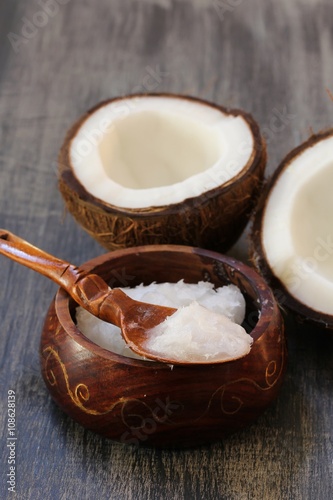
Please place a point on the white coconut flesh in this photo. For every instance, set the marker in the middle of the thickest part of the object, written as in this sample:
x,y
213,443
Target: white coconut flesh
x,y
155,151
297,231
206,326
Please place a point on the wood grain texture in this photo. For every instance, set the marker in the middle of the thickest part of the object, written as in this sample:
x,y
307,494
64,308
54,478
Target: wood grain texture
x,y
272,59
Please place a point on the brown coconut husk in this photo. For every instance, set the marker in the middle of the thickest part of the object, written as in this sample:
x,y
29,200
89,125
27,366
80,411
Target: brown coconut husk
x,y
259,258
212,220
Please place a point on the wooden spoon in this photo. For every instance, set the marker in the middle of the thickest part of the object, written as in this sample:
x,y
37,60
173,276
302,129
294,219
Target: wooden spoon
x,y
92,293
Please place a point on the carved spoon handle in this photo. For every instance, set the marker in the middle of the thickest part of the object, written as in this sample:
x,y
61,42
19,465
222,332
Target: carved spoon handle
x,y
19,250
89,291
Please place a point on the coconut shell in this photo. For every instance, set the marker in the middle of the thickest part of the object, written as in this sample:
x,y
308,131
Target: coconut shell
x,y
259,257
212,220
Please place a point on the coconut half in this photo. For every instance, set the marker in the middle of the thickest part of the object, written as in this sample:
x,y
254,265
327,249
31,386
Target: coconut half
x,y
293,231
161,168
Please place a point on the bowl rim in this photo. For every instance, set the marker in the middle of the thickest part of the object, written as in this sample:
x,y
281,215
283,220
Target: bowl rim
x,y
266,303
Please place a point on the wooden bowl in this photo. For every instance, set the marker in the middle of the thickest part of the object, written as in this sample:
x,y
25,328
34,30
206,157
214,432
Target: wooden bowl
x,y
148,403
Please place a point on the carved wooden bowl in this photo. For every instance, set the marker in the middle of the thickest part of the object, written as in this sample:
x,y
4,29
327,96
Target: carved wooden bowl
x,y
150,403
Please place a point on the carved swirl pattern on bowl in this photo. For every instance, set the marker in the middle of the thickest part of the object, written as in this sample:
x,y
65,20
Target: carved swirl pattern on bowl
x,y
231,401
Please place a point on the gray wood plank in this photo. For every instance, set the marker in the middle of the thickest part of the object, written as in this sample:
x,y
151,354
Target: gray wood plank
x,y
273,59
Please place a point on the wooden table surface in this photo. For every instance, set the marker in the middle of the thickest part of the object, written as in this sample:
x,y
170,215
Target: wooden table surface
x,y
57,59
